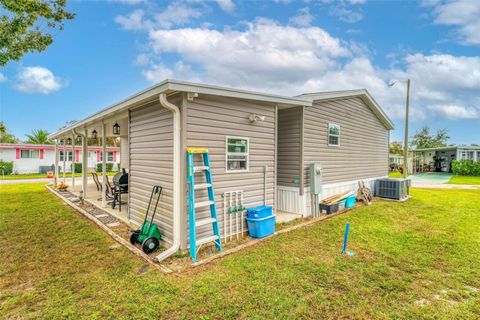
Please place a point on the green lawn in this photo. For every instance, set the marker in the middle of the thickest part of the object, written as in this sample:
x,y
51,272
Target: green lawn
x,y
40,175
417,259
465,180
395,174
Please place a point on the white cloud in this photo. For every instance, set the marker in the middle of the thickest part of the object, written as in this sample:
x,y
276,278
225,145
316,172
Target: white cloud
x,y
142,59
134,21
38,80
345,14
174,15
303,18
226,5
463,14
264,55
159,72
456,112
3,78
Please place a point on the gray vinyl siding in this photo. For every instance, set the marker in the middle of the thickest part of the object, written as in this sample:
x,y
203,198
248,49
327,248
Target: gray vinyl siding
x,y
151,163
363,150
288,151
209,120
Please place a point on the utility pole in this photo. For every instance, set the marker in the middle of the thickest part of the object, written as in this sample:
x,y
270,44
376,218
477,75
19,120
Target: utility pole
x,y
405,146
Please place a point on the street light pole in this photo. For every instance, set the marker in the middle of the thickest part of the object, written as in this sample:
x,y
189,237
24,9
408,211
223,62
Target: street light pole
x,y
405,146
407,110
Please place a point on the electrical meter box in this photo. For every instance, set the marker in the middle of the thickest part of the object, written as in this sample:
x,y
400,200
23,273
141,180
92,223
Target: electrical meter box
x,y
315,178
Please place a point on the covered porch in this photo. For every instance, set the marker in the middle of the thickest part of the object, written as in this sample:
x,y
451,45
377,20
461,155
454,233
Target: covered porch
x,y
98,188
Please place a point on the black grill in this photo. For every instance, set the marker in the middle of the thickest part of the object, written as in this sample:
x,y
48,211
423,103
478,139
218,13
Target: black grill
x,y
121,179
120,186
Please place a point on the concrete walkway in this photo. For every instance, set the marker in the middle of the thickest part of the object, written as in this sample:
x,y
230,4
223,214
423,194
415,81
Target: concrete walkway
x,y
430,178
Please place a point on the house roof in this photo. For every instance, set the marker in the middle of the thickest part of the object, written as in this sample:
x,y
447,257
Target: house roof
x,y
360,93
171,86
448,148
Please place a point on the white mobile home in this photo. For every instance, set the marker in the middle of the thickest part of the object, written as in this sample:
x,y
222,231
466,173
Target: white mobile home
x,y
39,158
280,136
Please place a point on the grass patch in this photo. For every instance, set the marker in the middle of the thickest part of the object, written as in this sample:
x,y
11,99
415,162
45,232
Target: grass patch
x,y
417,259
465,180
395,174
42,175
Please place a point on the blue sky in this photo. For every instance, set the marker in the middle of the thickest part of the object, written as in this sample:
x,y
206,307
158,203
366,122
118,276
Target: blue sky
x,y
113,49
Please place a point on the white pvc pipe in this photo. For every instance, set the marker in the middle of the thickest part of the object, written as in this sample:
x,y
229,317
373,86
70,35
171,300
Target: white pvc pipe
x,y
177,198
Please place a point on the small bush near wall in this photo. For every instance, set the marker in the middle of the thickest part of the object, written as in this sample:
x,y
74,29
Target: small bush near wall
x,y
78,168
108,166
6,167
466,168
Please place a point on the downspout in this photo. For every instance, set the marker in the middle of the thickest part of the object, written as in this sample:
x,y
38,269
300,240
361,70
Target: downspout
x,y
176,177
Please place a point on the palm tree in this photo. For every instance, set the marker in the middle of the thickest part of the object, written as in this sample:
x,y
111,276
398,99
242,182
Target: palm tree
x,y
5,136
38,136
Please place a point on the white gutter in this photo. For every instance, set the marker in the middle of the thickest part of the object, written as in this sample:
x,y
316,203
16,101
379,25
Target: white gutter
x,y
176,177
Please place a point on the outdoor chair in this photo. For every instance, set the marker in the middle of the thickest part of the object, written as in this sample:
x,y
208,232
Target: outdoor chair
x,y
97,182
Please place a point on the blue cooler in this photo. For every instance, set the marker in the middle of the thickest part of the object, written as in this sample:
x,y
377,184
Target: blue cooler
x,y
261,221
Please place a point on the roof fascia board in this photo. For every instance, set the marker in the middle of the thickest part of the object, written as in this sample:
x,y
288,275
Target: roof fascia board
x,y
235,93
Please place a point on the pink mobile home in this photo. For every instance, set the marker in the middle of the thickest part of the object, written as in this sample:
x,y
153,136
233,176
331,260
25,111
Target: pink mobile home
x,y
35,158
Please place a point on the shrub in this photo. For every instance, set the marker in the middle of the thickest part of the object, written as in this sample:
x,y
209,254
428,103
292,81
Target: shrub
x,y
109,167
6,167
78,167
466,168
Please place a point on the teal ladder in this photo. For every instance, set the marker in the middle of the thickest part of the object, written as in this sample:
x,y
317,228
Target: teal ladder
x,y
192,205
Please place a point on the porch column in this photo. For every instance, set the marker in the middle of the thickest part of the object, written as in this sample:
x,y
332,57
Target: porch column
x,y
84,163
64,161
55,174
104,164
73,161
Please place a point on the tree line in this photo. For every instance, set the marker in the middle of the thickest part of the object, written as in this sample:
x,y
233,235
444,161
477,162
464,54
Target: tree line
x,y
423,138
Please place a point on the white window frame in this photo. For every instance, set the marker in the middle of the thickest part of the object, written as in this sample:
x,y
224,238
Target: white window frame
x,y
331,124
109,153
465,155
69,156
30,151
247,154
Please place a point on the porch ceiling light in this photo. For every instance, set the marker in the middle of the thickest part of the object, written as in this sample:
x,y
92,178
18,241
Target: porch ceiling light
x,y
61,141
116,129
94,136
78,140
69,141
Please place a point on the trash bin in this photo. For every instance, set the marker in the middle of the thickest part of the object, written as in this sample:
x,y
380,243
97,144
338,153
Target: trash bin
x,y
261,227
259,212
350,201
